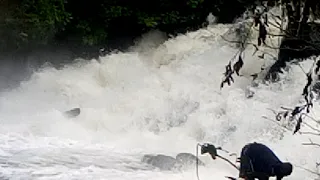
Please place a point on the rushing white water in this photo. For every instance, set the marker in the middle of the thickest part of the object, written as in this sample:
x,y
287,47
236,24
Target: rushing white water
x,y
153,99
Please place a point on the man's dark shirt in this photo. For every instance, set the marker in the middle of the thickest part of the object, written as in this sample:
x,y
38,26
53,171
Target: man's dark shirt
x,y
257,160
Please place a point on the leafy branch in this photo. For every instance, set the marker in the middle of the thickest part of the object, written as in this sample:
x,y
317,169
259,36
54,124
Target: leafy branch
x,y
230,71
243,42
300,112
260,20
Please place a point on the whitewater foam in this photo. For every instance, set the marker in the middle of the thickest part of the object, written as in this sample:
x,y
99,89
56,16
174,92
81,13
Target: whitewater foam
x,y
162,99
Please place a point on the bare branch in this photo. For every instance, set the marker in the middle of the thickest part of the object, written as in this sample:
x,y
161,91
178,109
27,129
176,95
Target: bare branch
x,y
310,171
285,128
317,130
270,47
311,144
310,133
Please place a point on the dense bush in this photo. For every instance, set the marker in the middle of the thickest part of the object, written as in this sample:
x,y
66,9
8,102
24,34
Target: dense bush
x,y
93,22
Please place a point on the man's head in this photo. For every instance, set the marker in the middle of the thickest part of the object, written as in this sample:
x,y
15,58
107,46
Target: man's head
x,y
283,169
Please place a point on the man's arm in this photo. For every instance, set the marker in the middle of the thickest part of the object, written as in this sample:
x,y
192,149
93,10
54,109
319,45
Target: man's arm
x,y
245,167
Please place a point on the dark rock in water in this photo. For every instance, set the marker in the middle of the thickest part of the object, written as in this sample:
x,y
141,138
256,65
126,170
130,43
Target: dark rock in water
x,y
160,161
163,162
72,113
188,159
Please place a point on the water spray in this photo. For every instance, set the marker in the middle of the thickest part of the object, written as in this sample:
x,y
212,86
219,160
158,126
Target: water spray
x,y
212,150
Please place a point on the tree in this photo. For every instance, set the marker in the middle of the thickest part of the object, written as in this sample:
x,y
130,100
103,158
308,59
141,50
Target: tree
x,y
300,39
28,22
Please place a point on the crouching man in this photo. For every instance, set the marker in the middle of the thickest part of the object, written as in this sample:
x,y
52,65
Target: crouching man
x,y
258,161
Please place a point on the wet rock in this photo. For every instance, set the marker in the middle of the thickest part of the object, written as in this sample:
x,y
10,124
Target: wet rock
x,y
187,159
72,113
160,161
164,162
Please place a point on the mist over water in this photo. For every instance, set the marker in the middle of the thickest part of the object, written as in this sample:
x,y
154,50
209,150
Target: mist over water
x,y
161,96
19,64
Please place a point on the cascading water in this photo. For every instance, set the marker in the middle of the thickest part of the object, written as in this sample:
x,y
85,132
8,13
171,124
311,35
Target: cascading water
x,y
156,98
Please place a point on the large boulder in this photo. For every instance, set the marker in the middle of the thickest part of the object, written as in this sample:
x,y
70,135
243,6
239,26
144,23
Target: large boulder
x,y
188,159
160,161
72,113
164,162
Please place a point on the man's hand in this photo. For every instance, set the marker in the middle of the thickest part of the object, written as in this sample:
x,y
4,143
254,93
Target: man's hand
x,y
209,148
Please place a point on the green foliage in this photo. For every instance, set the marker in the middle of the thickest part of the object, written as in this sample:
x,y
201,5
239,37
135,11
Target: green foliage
x,y
171,18
116,11
92,36
147,20
94,21
47,12
43,17
194,3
